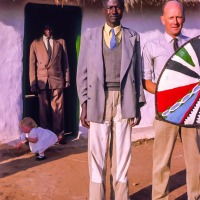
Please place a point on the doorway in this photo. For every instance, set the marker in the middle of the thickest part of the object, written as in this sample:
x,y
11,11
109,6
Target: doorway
x,y
66,21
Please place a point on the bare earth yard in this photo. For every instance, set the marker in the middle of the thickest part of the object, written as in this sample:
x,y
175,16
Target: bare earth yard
x,y
64,174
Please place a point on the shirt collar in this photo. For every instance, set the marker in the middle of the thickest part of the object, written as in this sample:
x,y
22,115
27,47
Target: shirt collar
x,y
45,38
169,38
107,29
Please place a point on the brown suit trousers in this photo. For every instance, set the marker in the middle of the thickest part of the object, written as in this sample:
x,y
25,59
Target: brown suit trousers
x,y
51,110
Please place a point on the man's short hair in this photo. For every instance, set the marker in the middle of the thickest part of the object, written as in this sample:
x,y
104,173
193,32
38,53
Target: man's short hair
x,y
104,2
47,26
178,1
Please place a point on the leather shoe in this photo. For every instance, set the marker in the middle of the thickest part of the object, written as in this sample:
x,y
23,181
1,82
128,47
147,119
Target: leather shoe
x,y
39,158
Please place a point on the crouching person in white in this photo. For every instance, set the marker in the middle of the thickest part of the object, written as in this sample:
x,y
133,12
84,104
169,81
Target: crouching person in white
x,y
39,139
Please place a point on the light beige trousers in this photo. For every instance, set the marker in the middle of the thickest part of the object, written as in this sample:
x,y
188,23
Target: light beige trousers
x,y
113,135
165,138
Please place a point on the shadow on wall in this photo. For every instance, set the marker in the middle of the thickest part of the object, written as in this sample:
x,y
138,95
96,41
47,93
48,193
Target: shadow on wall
x,y
12,14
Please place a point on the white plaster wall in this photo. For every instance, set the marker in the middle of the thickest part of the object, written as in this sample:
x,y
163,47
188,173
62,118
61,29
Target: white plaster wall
x,y
11,41
144,21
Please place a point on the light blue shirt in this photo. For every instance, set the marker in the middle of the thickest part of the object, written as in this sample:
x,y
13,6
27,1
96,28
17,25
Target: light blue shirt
x,y
156,53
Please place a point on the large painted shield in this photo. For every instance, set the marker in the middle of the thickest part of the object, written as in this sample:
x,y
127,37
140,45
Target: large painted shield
x,y
178,89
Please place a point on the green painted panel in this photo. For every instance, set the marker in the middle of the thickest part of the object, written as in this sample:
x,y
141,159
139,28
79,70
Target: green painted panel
x,y
183,53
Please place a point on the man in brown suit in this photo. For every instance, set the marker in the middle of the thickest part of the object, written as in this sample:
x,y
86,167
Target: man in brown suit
x,y
49,74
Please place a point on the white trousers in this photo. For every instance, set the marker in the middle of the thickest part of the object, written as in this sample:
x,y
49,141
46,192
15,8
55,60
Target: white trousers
x,y
114,135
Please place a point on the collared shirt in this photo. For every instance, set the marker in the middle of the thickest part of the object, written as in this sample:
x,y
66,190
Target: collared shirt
x,y
107,34
156,53
50,41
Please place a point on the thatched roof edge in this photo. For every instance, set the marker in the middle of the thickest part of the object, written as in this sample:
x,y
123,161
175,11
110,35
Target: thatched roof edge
x,y
128,3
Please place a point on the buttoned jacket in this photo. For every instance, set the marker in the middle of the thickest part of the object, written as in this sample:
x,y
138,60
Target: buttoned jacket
x,y
90,74
55,70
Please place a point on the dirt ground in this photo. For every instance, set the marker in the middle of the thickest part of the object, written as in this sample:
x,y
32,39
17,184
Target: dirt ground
x,y
64,174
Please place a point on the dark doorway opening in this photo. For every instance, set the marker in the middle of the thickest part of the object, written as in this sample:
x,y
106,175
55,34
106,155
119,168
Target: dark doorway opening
x,y
66,21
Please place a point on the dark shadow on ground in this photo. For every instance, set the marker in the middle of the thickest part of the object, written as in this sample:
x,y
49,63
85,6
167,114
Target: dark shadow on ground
x,y
177,180
144,194
182,197
19,163
8,150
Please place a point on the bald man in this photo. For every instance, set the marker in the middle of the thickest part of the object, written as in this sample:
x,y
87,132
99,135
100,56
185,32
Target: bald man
x,y
155,55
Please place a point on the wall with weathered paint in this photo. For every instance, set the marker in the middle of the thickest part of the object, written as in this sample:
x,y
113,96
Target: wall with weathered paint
x,y
11,42
144,21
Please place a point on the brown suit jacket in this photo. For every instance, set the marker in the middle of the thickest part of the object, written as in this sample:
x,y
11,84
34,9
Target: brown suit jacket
x,y
56,71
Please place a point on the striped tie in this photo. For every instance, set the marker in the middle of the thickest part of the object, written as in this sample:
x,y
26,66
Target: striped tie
x,y
49,51
175,45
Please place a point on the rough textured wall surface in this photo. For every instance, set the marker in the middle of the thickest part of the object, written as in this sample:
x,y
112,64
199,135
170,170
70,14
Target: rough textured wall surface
x,y
11,42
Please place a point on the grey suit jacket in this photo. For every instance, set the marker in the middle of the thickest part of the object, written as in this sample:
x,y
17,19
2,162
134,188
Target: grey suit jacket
x,y
90,74
56,72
